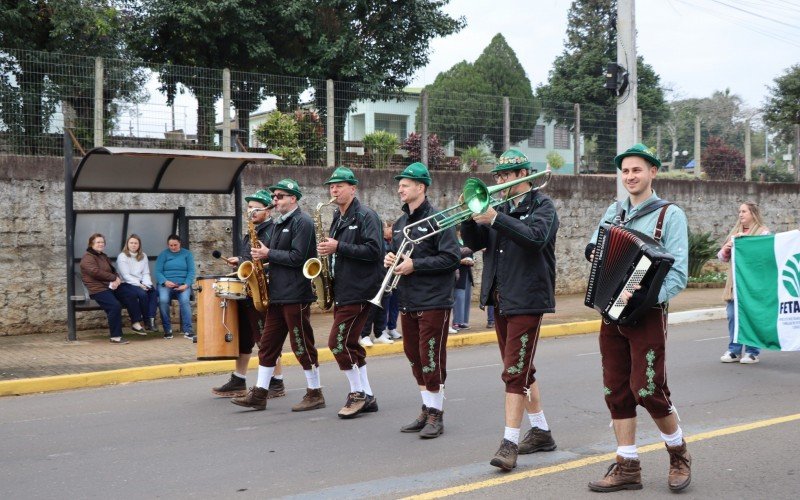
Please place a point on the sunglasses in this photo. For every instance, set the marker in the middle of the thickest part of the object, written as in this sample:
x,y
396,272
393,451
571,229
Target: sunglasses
x,y
279,196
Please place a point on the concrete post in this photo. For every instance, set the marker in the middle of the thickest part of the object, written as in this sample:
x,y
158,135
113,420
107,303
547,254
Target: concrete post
x,y
506,124
98,102
330,144
226,110
797,152
658,141
423,140
698,167
577,139
626,108
748,154
639,135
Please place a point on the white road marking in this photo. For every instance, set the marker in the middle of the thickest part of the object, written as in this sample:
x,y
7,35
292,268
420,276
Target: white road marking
x,y
587,354
472,367
712,338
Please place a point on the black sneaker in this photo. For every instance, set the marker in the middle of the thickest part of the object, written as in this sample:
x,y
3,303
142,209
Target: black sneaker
x,y
168,334
233,388
276,388
188,335
371,405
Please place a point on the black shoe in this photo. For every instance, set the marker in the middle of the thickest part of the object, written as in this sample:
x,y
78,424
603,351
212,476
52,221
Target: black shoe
x,y
150,325
417,424
139,331
233,388
536,440
434,425
506,456
168,334
371,405
276,388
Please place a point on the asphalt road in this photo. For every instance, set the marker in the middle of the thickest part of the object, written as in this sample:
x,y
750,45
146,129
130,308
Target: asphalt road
x,y
172,439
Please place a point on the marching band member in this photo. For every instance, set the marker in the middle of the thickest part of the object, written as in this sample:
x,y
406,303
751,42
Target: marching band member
x,y
355,250
633,356
518,281
291,244
425,297
251,320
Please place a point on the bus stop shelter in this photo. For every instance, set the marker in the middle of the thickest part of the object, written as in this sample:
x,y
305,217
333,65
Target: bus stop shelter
x,y
140,170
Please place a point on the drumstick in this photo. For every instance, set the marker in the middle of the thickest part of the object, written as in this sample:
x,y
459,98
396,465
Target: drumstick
x,y
218,255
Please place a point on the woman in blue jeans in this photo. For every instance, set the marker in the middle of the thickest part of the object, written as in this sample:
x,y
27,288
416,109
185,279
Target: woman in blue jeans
x,y
134,269
175,276
748,223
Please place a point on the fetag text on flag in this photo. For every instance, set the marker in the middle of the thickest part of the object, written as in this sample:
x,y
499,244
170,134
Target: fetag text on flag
x,y
766,290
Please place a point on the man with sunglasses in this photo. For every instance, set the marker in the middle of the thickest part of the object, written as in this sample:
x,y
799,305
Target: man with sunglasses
x,y
518,281
425,293
292,243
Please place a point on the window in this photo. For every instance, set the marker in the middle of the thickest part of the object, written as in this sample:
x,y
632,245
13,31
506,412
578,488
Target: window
x,y
537,137
395,124
561,138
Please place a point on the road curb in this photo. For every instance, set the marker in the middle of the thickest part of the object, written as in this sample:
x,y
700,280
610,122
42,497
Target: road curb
x,y
126,375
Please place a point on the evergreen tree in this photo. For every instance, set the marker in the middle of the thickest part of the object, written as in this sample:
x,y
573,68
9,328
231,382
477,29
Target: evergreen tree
x,y
577,77
782,107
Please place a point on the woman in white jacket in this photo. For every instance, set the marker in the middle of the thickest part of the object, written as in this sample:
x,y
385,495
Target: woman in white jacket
x,y
134,269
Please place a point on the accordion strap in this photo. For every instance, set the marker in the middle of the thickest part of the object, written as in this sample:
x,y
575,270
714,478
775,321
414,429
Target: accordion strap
x,y
620,219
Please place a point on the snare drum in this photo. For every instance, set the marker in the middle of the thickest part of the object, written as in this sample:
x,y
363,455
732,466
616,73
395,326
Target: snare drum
x,y
230,288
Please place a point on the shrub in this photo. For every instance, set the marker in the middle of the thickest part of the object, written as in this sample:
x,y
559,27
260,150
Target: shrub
x,y
701,249
474,157
413,146
555,160
311,135
381,146
722,161
279,130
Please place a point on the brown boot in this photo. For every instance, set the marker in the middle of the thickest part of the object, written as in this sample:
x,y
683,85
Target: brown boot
x,y
255,398
311,401
417,424
624,474
536,440
276,388
506,456
353,406
434,425
680,467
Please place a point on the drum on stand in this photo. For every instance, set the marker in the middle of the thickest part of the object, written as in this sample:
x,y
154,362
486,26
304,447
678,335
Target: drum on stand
x,y
217,323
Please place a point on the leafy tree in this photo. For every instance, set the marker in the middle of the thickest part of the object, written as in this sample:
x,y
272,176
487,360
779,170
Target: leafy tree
x,y
577,77
37,76
478,90
722,161
280,135
413,146
782,108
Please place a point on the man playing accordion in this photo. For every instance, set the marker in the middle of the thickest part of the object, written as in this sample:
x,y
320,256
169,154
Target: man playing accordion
x,y
633,355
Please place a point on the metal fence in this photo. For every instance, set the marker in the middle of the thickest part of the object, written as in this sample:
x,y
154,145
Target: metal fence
x,y
110,102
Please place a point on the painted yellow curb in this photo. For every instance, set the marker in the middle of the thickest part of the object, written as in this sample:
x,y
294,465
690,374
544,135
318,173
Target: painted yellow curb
x,y
125,375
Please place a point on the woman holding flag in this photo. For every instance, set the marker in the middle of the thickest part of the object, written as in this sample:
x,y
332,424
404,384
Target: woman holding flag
x,y
748,223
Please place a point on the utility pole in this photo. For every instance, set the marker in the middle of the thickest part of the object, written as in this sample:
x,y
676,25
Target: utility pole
x,y
748,154
698,167
627,126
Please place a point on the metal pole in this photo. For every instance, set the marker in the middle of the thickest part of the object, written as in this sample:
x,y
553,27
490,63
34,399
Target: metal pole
x,y
626,108
698,166
330,144
237,216
748,154
577,141
506,124
423,140
69,216
226,110
98,102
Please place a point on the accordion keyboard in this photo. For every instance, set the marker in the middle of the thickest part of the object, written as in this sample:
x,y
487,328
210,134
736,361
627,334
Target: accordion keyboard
x,y
630,286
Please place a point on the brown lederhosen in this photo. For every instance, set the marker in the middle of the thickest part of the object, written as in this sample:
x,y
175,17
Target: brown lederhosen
x,y
250,324
517,337
634,369
424,342
348,321
294,320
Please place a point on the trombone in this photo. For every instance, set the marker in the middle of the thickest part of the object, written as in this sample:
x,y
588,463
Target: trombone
x,y
477,198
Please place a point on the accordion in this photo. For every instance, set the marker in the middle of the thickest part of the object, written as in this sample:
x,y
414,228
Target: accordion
x,y
623,259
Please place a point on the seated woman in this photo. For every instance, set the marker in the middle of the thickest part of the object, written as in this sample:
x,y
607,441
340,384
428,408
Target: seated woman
x,y
102,282
175,276
134,270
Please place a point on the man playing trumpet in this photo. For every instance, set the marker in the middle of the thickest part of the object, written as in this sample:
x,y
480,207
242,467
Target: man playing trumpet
x,y
425,296
355,250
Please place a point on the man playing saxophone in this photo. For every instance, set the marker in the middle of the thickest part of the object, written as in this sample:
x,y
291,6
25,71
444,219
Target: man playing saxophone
x,y
354,250
290,296
258,211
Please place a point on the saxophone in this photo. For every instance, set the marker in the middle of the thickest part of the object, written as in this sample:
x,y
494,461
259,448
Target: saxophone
x,y
252,273
318,269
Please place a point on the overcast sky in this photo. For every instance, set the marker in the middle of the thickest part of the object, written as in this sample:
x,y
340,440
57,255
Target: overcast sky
x,y
696,46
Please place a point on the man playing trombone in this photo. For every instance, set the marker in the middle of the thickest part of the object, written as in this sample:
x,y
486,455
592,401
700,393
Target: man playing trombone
x,y
518,280
426,270
355,250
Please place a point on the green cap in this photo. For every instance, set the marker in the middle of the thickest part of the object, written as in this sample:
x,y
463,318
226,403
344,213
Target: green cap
x,y
512,160
262,196
289,185
342,174
641,151
417,172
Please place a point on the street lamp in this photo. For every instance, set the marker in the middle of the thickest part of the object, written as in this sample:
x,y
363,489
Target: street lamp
x,y
675,155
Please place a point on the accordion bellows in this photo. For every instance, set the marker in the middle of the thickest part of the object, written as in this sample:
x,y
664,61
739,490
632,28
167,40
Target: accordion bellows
x,y
623,260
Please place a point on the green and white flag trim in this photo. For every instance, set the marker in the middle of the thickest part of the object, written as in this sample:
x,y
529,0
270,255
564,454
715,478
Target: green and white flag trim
x,y
766,290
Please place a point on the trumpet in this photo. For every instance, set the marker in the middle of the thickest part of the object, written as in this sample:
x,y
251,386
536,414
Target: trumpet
x,y
390,281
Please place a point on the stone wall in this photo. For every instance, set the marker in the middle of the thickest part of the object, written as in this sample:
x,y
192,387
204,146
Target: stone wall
x,y
32,229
